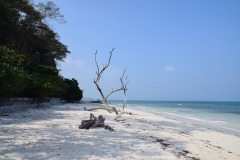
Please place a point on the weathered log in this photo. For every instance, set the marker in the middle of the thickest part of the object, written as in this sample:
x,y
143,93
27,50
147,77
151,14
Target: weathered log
x,y
106,127
92,117
94,122
99,121
109,109
87,124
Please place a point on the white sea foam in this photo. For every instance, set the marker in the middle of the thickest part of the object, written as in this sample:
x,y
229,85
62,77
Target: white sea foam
x,y
219,122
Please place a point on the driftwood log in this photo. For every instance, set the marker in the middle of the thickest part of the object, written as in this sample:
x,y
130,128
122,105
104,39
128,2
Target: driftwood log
x,y
109,109
95,122
123,112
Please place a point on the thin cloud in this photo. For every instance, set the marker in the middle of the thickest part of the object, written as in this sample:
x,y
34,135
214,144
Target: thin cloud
x,y
79,63
113,72
169,69
69,61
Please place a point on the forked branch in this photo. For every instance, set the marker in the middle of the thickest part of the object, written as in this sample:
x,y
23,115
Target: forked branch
x,y
99,74
124,86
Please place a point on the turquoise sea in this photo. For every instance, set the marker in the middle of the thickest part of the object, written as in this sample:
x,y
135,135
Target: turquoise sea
x,y
221,116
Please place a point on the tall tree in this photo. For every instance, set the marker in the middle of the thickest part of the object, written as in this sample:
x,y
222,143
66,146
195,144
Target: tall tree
x,y
50,11
12,74
25,33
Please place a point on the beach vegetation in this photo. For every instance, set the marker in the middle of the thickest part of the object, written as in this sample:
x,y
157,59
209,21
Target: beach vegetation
x,y
29,49
73,92
12,73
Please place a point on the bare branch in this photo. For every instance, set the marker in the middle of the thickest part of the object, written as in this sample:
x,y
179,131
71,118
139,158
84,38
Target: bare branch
x,y
123,73
97,72
104,67
51,11
100,72
107,65
113,92
126,83
122,88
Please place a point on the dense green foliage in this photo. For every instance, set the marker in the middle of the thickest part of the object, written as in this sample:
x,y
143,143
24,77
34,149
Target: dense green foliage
x,y
73,91
29,49
12,73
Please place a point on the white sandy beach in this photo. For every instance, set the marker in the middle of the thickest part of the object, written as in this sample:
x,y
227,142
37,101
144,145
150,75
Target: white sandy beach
x,y
52,132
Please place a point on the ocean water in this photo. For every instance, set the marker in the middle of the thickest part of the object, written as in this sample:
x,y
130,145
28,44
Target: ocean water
x,y
220,116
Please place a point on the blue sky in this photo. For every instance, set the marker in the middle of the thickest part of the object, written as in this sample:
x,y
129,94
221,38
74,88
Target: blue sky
x,y
172,50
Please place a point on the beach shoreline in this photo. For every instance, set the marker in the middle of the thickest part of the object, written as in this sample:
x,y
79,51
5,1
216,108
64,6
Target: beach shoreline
x,y
51,132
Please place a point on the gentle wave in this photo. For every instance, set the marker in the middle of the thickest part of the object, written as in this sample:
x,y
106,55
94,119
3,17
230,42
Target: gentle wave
x,y
213,115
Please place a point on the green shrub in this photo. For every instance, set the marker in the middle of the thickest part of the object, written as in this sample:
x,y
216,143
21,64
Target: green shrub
x,y
74,93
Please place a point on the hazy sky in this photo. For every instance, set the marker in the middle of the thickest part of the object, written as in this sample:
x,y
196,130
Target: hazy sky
x,y
173,50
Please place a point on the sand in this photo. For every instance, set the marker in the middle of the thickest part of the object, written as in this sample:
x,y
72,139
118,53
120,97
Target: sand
x,y
52,132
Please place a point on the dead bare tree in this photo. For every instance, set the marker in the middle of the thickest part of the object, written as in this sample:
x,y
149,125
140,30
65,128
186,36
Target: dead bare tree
x,y
99,75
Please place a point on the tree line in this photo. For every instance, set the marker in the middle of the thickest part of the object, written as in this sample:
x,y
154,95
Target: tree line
x,y
29,49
